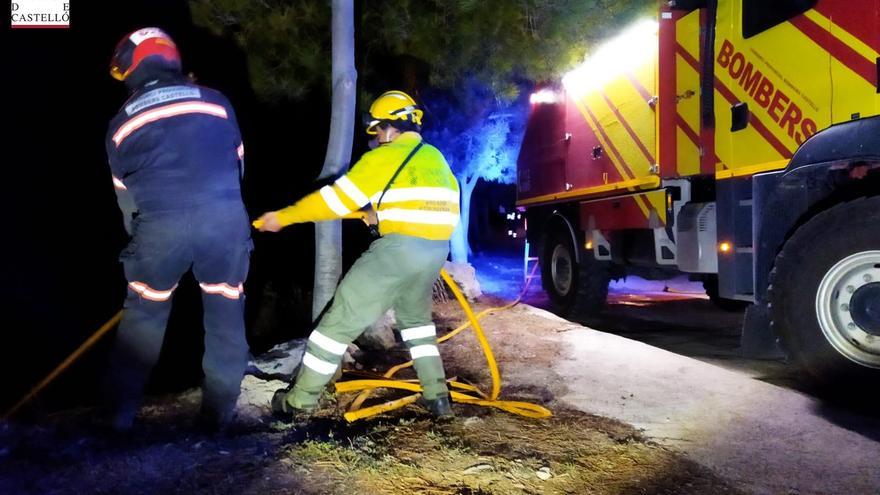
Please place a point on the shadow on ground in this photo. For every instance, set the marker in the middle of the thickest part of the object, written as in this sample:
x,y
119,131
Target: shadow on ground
x,y
480,452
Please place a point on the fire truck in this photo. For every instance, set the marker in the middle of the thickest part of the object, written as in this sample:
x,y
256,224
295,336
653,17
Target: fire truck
x,y
737,141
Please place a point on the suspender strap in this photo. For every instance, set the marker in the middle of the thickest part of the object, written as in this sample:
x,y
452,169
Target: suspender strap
x,y
399,169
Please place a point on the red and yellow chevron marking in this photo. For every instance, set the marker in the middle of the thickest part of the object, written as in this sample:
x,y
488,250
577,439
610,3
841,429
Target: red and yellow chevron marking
x,y
628,152
687,96
620,115
798,78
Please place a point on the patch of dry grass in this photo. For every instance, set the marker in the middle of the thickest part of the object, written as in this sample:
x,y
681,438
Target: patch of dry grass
x,y
497,453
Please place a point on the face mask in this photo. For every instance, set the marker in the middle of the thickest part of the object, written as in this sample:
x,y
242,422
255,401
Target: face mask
x,y
384,136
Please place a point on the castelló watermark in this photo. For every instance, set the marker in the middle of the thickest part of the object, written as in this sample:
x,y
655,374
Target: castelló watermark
x,y
40,14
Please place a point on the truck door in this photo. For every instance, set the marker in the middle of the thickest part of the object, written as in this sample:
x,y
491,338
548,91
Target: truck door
x,y
679,122
850,32
773,83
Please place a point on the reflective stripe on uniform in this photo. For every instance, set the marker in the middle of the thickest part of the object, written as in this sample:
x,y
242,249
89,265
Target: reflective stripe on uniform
x,y
353,192
328,344
319,365
418,332
333,201
421,351
431,232
150,293
161,95
419,216
224,290
418,194
118,184
164,112
240,151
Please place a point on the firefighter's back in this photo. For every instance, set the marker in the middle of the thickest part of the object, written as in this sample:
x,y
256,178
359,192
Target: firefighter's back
x,y
176,146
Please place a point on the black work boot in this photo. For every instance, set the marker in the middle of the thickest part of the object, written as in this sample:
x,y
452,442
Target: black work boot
x,y
282,410
119,418
439,407
214,419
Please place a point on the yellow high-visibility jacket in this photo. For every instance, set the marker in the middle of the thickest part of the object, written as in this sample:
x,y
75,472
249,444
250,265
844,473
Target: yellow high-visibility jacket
x,y
422,202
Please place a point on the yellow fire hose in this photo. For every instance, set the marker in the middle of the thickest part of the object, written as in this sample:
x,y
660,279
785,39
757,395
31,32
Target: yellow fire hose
x,y
526,409
106,327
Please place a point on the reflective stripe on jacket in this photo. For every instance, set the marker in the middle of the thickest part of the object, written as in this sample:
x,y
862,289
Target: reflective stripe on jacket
x,y
422,202
174,145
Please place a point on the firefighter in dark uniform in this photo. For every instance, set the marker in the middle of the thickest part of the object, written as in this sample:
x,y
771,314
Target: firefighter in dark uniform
x,y
176,157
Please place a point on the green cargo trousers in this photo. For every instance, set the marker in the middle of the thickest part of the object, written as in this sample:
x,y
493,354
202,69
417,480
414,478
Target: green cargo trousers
x,y
397,271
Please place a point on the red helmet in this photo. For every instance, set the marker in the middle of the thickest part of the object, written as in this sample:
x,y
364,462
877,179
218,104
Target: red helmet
x,y
141,45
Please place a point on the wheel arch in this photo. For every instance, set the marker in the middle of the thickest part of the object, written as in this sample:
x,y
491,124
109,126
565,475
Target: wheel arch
x,y
543,221
558,221
836,165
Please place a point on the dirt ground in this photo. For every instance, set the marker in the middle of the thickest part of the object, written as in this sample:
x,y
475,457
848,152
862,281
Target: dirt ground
x,y
481,451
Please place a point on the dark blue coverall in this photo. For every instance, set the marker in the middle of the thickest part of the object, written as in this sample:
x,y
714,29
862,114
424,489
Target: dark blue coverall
x,y
176,156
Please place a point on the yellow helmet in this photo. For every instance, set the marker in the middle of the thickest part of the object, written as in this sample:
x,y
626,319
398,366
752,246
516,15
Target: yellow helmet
x,y
393,106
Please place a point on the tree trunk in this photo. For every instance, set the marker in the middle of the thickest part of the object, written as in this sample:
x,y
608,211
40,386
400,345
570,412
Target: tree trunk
x,y
459,248
328,235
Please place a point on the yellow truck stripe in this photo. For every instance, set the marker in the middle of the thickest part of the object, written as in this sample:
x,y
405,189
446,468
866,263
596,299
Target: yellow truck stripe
x,y
843,35
650,182
617,160
751,169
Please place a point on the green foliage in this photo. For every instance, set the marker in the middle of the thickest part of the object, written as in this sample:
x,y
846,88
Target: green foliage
x,y
495,43
287,41
492,43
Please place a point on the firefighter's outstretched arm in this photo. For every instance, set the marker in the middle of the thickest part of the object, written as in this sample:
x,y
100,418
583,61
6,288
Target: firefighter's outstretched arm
x,y
345,198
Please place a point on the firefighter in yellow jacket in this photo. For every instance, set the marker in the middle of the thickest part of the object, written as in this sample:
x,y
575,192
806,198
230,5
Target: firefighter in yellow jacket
x,y
416,201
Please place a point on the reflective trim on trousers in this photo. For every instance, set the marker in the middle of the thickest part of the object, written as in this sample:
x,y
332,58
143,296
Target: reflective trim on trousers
x,y
319,365
150,293
421,351
224,290
418,332
328,344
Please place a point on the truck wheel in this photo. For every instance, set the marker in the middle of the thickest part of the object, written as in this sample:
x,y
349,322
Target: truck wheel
x,y
710,284
574,289
825,295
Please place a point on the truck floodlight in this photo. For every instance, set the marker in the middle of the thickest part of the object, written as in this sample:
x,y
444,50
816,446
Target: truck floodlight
x,y
544,96
625,53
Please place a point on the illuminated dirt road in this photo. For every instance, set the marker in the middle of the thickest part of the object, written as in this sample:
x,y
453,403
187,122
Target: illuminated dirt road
x,y
674,315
